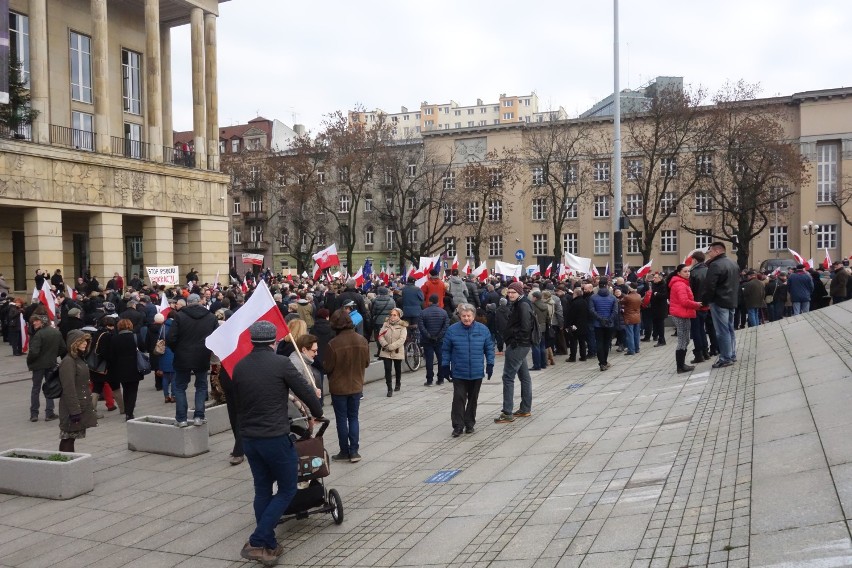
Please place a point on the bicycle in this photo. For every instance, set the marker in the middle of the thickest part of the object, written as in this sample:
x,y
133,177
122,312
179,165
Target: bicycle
x,y
413,349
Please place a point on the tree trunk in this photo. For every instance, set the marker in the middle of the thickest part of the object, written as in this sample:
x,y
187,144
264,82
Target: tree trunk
x,y
742,255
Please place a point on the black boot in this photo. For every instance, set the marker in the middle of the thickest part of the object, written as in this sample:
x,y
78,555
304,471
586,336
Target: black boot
x,y
680,357
706,354
398,385
390,388
699,356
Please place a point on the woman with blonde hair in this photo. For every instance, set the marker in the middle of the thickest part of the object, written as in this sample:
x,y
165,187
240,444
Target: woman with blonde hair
x,y
298,328
392,340
76,412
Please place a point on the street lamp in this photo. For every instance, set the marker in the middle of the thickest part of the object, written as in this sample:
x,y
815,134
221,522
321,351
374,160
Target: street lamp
x,y
810,230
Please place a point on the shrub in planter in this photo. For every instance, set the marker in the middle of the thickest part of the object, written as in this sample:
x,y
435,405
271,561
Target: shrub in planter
x,y
48,474
159,435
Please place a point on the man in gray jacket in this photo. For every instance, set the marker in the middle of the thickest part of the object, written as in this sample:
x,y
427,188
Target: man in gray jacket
x,y
457,289
45,346
720,291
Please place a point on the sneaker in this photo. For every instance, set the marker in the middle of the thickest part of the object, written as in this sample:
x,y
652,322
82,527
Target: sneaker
x,y
457,432
183,424
340,457
51,416
719,364
504,418
355,458
33,417
250,552
270,557
198,421
469,430
237,460
520,414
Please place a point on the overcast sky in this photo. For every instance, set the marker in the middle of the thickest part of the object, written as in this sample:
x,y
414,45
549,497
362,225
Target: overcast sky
x,y
299,61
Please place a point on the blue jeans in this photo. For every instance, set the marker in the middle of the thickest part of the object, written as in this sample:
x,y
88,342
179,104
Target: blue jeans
x,y
346,417
593,344
35,395
431,351
271,460
168,381
698,331
539,355
723,322
753,317
515,363
180,385
801,308
632,335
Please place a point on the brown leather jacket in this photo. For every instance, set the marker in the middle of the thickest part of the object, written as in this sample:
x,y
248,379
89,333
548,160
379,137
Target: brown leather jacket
x,y
632,303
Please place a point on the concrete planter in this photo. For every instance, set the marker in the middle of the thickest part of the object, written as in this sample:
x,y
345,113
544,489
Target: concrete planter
x,y
159,435
217,418
35,477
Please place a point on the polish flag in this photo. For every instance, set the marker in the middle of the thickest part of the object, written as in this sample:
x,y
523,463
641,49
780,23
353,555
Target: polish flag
x,y
25,335
289,275
595,273
827,262
327,257
481,272
466,268
455,264
548,270
359,278
532,270
642,272
317,272
562,272
46,297
216,282
244,286
231,341
164,307
799,258
384,276
70,292
688,260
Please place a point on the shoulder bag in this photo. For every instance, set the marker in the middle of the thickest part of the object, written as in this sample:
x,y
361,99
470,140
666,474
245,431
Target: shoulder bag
x,y
143,364
52,388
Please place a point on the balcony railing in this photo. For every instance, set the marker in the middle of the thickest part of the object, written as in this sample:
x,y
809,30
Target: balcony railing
x,y
256,245
72,138
23,132
254,215
179,157
134,149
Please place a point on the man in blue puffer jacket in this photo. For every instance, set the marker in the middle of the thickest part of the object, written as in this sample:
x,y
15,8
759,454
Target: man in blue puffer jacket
x,y
604,310
466,344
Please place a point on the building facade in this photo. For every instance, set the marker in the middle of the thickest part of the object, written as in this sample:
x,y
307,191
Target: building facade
x,y
96,184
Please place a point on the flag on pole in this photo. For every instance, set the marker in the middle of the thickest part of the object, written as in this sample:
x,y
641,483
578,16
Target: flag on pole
x,y
164,307
70,292
216,281
327,257
231,341
466,268
548,270
594,271
606,269
481,272
578,263
800,259
359,278
46,297
827,262
532,270
244,286
455,264
645,269
25,334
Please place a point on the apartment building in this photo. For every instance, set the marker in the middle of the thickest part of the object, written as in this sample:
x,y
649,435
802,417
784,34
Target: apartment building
x,y
96,183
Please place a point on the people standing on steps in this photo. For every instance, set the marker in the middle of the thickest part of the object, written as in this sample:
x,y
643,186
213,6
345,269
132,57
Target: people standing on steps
x,y
683,308
391,338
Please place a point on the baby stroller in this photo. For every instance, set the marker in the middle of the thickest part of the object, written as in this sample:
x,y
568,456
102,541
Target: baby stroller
x,y
311,496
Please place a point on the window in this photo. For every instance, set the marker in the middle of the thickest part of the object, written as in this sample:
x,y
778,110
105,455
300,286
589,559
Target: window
x,y
826,173
497,109
703,238
667,203
570,208
446,110
496,121
668,241
430,123
131,74
237,206
634,239
19,36
570,175
634,205
470,123
470,111
470,247
256,204
601,171
238,237
777,238
343,203
601,242
389,238
496,177
472,211
368,203
283,240
235,146
81,68
411,203
570,243
450,246
507,103
254,173
321,176
412,236
702,202
601,206
470,179
449,180
483,110
495,246
495,210
539,209
387,178
83,129
539,245
778,197
457,113
457,125
704,164
450,214
411,170
256,232
508,115
827,237
483,122
537,175
133,140
668,167
634,169
221,147
427,111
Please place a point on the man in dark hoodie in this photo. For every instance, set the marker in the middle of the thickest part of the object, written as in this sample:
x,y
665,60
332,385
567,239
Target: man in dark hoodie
x,y
192,325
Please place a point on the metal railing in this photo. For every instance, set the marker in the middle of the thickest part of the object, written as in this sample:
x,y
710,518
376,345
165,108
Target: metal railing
x,y
178,157
254,215
134,149
72,138
22,132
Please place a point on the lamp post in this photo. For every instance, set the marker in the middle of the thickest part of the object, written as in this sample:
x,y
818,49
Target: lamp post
x,y
810,230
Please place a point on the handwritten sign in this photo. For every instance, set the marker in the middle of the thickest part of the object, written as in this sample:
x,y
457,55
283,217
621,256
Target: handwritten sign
x,y
164,275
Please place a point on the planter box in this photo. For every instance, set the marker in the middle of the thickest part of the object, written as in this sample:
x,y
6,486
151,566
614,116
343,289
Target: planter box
x,y
48,479
217,418
159,435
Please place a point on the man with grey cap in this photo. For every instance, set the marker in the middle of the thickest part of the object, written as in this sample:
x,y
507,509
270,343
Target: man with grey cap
x,y
262,381
186,338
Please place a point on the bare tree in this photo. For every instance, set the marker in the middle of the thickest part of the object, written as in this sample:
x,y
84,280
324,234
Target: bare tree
x,y
758,167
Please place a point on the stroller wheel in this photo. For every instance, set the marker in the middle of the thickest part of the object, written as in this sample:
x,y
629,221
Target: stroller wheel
x,y
337,506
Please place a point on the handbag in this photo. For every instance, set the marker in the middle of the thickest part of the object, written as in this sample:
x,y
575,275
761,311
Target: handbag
x,y
52,388
769,298
160,346
96,363
143,364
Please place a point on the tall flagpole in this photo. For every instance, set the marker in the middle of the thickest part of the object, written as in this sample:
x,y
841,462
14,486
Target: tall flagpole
x,y
618,259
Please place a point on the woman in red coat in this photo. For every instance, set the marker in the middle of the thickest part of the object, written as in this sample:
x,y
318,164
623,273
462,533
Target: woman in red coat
x,y
682,308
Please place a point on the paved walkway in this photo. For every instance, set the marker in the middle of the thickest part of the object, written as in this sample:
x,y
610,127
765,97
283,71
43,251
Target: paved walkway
x,y
750,465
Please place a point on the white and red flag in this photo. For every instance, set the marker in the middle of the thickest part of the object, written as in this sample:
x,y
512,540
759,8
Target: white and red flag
x,y
46,297
645,269
244,286
688,260
70,292
800,259
216,282
594,271
532,270
164,307
25,335
548,270
827,262
359,278
231,341
481,272
455,264
466,268
327,257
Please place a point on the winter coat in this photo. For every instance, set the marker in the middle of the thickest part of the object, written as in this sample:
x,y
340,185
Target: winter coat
x,y
681,302
45,346
819,293
838,283
754,294
306,312
518,331
659,300
543,312
166,361
433,324
76,397
323,332
457,290
392,339
472,295
603,306
347,356
697,274
632,303
412,301
355,296
190,328
380,310
721,283
578,313
433,286
315,378
558,313
801,286
120,353
465,348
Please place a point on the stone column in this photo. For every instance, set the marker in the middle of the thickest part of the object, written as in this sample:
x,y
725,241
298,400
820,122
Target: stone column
x,y
199,98
43,240
100,77
208,247
181,247
106,245
39,85
7,262
210,83
157,241
166,82
154,79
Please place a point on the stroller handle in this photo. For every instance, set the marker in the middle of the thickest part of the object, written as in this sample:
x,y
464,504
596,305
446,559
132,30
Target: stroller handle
x,y
325,422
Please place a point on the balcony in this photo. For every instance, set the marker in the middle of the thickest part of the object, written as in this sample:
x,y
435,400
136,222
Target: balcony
x,y
256,246
254,215
252,185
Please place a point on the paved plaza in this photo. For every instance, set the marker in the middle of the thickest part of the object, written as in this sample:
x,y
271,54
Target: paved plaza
x,y
749,465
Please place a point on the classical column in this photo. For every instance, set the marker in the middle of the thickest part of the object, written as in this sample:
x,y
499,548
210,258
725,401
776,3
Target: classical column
x,y
39,85
199,99
166,82
106,245
100,76
43,240
210,78
208,247
154,79
7,261
157,241
181,247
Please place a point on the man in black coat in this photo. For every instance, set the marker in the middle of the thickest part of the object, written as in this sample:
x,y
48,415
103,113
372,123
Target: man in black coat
x,y
351,294
519,340
576,324
191,327
720,291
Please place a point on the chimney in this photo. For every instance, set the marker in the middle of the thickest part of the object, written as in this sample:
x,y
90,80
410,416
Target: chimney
x,y
404,109
299,129
478,102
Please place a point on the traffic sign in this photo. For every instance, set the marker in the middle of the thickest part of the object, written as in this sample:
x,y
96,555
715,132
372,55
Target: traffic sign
x,y
520,254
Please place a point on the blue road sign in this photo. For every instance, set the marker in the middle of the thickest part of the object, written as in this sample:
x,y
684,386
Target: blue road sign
x,y
520,254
